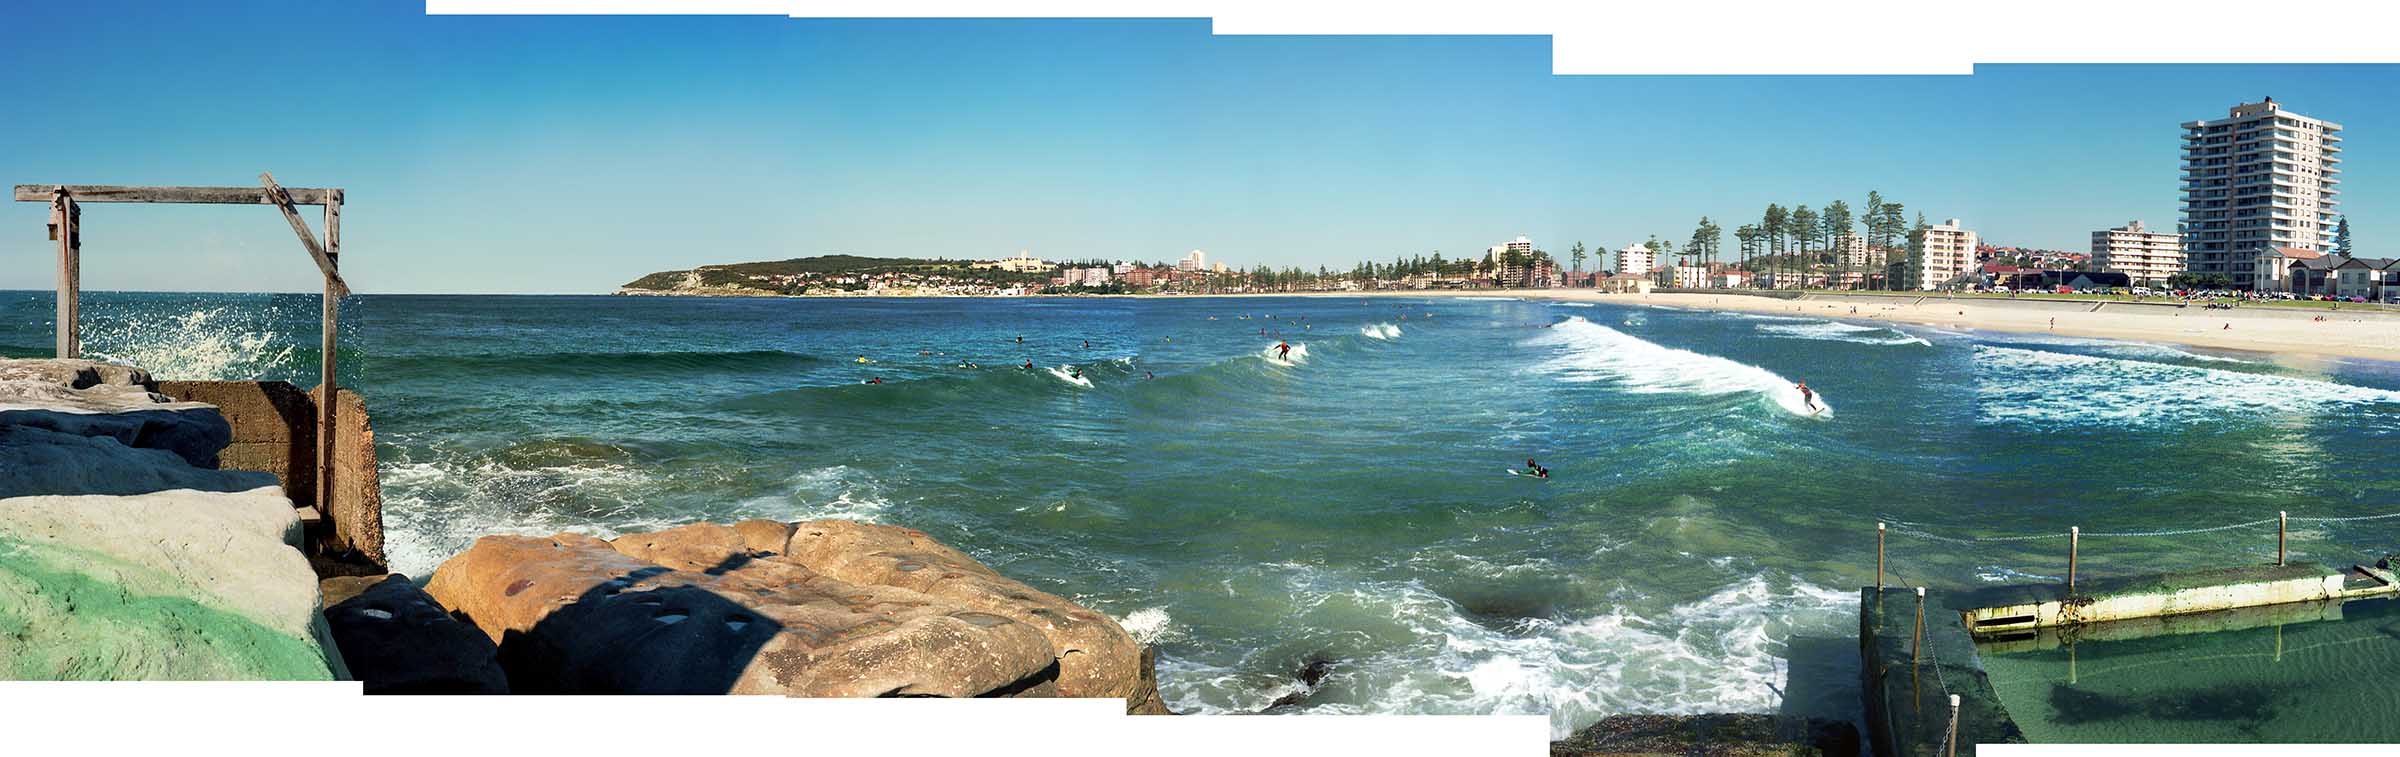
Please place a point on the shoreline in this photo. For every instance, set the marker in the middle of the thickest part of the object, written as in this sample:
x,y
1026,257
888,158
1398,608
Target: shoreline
x,y
2365,335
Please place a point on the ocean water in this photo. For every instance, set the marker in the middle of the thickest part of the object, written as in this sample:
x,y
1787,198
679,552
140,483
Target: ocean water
x,y
1698,547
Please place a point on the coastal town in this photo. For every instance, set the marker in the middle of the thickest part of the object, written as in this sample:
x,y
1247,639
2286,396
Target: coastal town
x,y
2259,221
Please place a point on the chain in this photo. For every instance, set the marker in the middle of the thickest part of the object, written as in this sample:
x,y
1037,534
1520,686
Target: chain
x,y
1921,531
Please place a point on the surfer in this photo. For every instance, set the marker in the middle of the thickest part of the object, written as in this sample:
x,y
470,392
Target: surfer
x,y
1283,351
1020,338
862,360
1087,344
1028,365
875,380
1535,469
1077,373
1807,397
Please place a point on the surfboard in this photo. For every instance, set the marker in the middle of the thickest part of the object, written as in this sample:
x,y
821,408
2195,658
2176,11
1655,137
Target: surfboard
x,y
1515,472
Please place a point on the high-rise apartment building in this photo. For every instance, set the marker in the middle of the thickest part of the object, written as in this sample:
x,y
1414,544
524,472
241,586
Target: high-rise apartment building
x,y
1636,258
2259,178
1938,255
2145,256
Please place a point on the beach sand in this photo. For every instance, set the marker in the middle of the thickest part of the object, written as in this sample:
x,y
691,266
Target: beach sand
x,y
2369,334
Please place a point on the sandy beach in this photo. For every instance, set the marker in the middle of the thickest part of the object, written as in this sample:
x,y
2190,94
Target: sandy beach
x,y
2368,334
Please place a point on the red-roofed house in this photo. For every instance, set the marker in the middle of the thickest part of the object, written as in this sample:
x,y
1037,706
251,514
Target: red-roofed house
x,y
2273,265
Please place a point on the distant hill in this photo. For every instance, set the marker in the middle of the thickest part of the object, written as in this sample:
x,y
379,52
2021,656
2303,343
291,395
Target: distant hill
x,y
823,274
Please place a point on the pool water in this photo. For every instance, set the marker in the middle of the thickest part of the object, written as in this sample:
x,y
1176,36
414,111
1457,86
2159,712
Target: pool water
x,y
2330,674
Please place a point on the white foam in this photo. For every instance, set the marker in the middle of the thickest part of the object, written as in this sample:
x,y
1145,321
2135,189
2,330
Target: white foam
x,y
1063,375
205,344
1593,352
2047,388
1573,304
1376,331
1722,653
1148,625
1835,331
433,510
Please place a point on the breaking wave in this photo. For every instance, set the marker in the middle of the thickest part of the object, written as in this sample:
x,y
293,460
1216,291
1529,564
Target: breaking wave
x,y
2040,387
1835,331
1598,353
224,343
1721,653
1376,331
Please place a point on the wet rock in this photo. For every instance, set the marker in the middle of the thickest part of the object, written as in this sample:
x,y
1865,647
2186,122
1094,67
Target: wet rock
x,y
84,398
575,614
172,585
1730,735
397,640
1310,675
1097,658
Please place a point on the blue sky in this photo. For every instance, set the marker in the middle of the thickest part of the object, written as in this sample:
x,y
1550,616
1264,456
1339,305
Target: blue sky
x,y
572,154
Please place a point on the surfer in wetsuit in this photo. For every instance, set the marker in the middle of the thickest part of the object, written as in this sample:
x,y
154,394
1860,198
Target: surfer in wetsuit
x,y
1283,351
1807,397
1028,365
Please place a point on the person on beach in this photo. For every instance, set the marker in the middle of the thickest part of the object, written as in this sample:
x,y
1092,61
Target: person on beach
x,y
1807,397
1283,351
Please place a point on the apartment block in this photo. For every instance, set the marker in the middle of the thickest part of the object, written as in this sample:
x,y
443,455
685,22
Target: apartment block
x,y
2259,178
1938,255
2145,256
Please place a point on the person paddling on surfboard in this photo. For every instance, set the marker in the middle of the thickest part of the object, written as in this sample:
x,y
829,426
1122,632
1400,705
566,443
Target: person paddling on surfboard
x,y
1807,397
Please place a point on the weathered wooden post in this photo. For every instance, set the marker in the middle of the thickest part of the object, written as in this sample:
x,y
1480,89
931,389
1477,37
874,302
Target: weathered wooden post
x,y
65,226
2283,521
2074,542
1916,643
1879,557
328,389
1950,745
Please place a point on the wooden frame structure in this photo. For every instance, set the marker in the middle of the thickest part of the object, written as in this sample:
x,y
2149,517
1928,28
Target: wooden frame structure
x,y
66,220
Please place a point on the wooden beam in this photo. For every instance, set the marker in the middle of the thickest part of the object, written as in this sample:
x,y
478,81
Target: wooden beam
x,y
334,285
202,195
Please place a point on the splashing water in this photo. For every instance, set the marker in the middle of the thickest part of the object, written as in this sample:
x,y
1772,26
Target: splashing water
x,y
220,343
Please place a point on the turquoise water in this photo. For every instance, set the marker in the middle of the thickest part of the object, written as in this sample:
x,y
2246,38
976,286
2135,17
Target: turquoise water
x,y
1698,547
2322,680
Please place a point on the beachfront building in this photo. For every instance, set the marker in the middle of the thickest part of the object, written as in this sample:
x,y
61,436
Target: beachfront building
x,y
1636,259
1939,255
1852,251
1690,277
2147,257
1627,283
2270,269
2259,178
2371,279
1194,261
1022,263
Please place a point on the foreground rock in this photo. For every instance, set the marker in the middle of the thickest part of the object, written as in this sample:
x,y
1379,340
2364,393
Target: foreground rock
x,y
1736,735
173,585
92,399
397,640
822,608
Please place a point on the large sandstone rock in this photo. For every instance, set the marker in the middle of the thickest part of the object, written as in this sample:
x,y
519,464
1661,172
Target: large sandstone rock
x,y
172,585
397,640
731,608
85,398
573,614
1096,657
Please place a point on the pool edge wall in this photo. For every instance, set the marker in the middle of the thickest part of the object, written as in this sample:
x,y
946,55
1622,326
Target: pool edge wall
x,y
1907,704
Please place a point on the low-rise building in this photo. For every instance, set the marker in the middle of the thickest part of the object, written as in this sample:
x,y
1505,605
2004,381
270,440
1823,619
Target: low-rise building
x,y
1636,259
2271,267
1022,263
1939,255
1627,283
2148,257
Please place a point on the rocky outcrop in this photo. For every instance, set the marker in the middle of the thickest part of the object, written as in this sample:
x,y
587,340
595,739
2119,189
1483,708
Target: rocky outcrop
x,y
397,640
86,398
173,585
823,608
126,554
1731,735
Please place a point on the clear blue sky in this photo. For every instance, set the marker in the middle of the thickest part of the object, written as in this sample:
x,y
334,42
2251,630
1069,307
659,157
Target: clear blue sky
x,y
572,154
